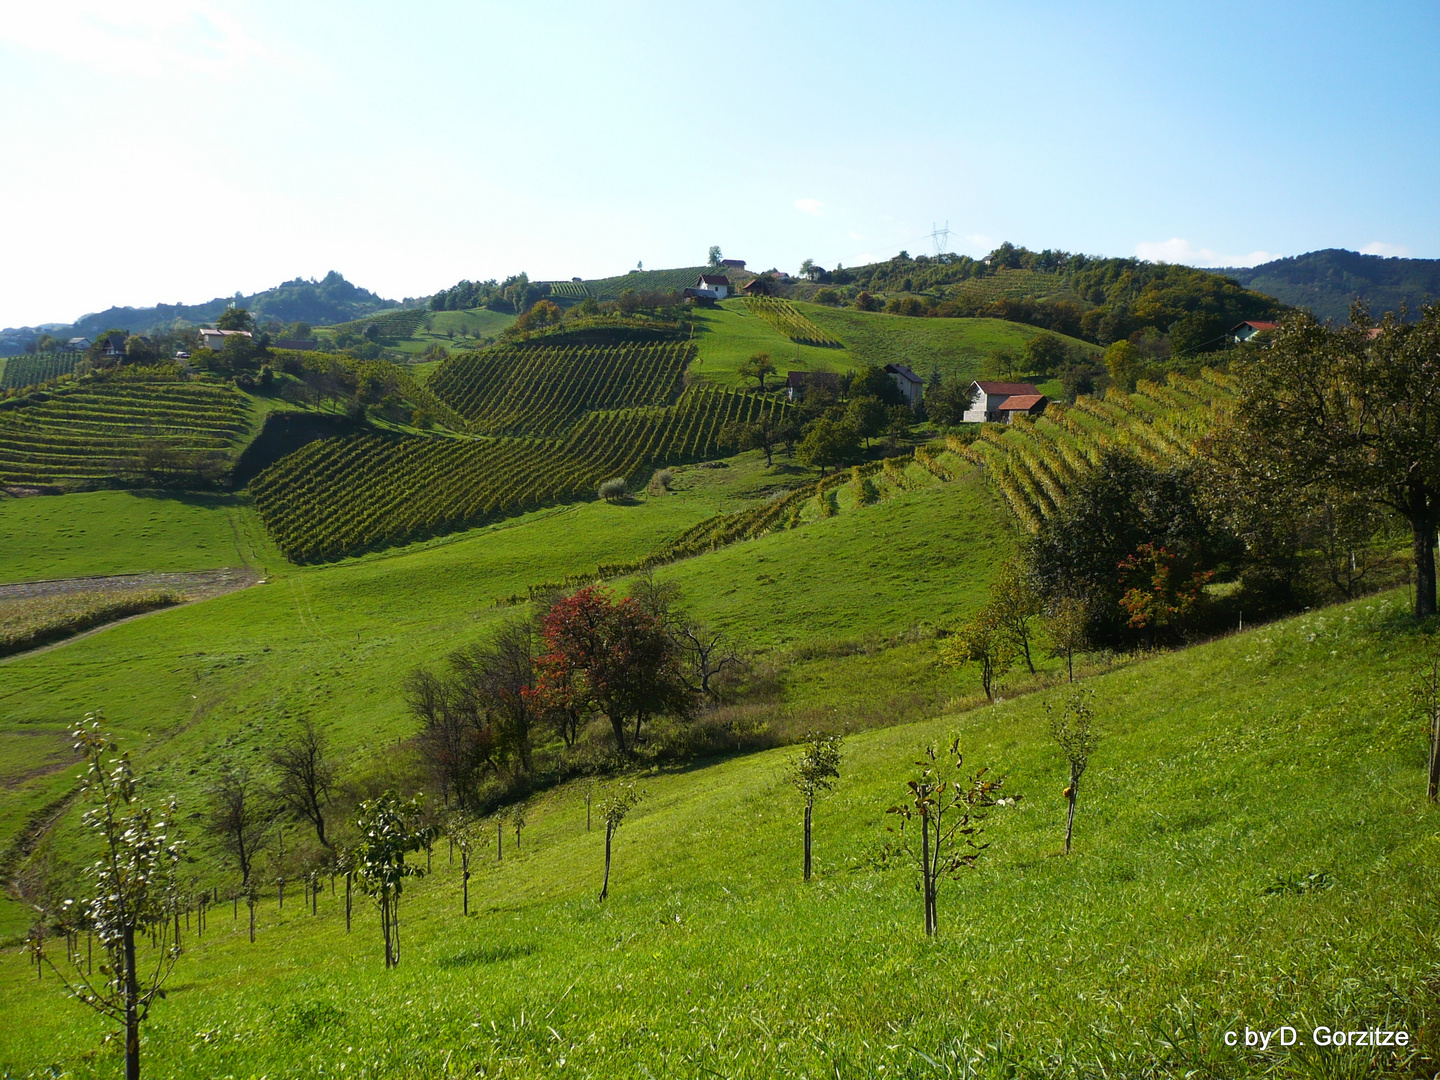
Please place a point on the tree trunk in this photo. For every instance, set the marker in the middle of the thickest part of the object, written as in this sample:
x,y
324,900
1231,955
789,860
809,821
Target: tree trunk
x,y
132,1007
809,807
1434,788
1070,819
465,879
499,841
347,901
1422,526
251,905
927,885
1070,662
618,725
605,886
1025,645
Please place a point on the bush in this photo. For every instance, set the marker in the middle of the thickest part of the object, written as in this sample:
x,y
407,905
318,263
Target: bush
x,y
661,481
827,296
613,490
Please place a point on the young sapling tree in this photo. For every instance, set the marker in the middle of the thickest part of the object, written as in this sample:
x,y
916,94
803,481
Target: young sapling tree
x,y
517,820
613,809
814,770
941,822
1426,695
135,891
389,831
986,644
1067,624
1072,726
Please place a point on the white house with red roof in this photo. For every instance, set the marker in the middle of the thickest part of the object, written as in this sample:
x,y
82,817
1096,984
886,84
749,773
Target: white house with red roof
x,y
994,402
1249,328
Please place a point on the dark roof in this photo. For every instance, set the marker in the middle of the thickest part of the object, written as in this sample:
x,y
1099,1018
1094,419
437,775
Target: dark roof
x,y
714,279
904,372
1021,402
739,264
1008,387
114,342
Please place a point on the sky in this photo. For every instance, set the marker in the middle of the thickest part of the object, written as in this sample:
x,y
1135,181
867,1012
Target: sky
x,y
177,150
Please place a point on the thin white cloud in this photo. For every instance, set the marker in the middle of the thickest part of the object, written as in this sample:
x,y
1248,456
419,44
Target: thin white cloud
x,y
1379,247
1177,250
136,37
813,207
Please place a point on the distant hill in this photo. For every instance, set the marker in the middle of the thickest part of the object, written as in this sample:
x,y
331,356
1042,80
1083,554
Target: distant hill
x,y
1328,281
330,300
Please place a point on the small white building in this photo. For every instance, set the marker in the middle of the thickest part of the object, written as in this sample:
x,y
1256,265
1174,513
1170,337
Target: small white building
x,y
986,398
77,344
1248,329
215,339
713,286
912,388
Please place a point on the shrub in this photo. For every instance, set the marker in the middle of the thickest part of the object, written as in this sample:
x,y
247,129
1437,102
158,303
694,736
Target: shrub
x,y
661,481
827,296
613,490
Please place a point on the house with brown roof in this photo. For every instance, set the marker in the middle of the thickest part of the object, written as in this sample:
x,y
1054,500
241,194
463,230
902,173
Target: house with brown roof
x,y
764,285
986,399
712,287
1250,328
1021,404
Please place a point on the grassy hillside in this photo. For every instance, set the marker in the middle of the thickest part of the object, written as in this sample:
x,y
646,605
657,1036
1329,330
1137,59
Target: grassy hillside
x,y
954,347
121,532
1231,776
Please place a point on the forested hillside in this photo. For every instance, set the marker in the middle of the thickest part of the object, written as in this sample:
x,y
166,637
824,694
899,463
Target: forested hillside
x,y
1328,282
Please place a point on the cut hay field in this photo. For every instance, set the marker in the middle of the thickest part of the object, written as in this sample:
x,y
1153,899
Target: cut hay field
x,y
93,533
1231,774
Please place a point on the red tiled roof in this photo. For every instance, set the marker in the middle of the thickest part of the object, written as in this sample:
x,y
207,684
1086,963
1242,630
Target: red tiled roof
x,y
1008,387
1258,325
1020,403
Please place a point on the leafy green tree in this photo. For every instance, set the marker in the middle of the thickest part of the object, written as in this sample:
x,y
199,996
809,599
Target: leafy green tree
x,y
1001,363
827,443
807,268
134,889
827,296
874,381
1067,625
1072,727
390,830
759,367
1016,606
865,302
941,822
1356,408
614,808
812,771
140,350
985,643
235,318
1124,363
763,434
867,417
1046,354
712,260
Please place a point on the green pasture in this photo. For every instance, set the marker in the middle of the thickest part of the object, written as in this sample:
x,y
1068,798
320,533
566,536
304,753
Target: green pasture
x,y
727,335
1229,774
92,533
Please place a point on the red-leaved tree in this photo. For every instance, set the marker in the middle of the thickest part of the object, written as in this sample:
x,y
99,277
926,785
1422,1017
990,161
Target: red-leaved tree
x,y
613,655
1160,592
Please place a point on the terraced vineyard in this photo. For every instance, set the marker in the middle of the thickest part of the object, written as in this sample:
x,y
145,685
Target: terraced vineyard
x,y
544,390
786,318
644,280
390,324
341,496
1013,284
101,432
568,290
17,372
1033,461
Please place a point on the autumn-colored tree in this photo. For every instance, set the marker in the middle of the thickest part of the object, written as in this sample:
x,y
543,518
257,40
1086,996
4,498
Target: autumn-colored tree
x,y
614,654
544,313
1159,592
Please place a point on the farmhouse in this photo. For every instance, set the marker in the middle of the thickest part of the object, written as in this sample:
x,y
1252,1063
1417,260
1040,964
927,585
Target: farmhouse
x,y
912,389
215,339
113,346
711,287
1248,329
986,398
77,344
733,264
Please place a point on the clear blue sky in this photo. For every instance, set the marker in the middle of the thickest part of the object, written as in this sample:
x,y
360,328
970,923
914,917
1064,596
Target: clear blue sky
x,y
171,150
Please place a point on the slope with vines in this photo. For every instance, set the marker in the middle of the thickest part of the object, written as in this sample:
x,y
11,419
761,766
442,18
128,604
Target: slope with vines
x,y
546,389
786,318
1034,461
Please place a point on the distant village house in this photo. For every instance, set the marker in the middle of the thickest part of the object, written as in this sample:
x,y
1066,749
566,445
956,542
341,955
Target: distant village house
x,y
998,402
113,347
733,264
911,387
77,344
1249,329
711,287
215,339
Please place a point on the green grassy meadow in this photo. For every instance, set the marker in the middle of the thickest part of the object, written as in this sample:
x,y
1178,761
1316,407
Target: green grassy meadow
x,y
123,532
1225,767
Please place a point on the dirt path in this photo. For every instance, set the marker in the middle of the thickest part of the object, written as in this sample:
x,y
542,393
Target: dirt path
x,y
196,585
